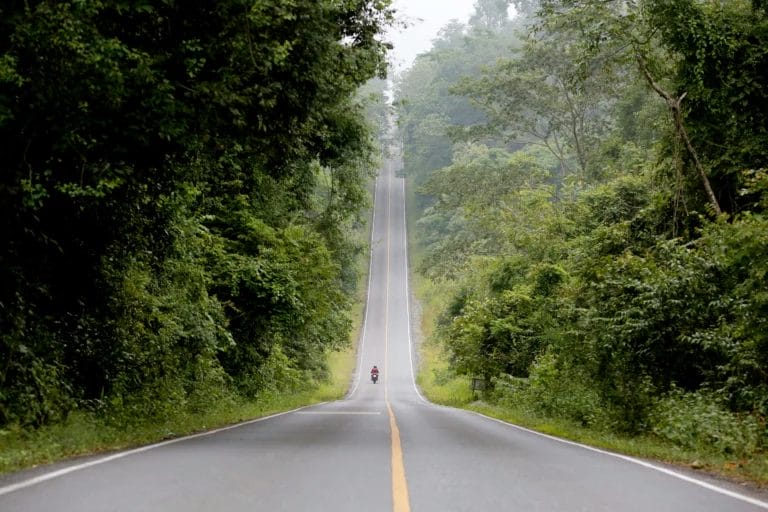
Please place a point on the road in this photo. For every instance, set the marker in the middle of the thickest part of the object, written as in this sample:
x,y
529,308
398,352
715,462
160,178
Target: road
x,y
383,448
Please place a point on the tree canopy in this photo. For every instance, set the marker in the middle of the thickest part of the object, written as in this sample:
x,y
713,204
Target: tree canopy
x,y
596,227
178,185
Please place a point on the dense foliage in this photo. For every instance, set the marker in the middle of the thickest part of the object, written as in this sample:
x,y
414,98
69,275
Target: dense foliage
x,y
179,181
598,216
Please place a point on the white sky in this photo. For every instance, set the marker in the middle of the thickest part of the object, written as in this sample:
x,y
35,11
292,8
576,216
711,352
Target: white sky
x,y
425,18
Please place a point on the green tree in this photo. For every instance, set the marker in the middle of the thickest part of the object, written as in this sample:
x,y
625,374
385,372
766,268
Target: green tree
x,y
490,14
167,168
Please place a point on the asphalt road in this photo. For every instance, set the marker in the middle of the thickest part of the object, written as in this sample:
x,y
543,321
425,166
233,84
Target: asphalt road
x,y
383,448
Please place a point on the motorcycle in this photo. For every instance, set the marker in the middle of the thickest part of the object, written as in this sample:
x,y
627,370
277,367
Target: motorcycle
x,y
374,377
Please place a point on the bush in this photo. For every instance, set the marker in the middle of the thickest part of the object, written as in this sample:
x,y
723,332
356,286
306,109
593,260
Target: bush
x,y
276,374
702,422
555,391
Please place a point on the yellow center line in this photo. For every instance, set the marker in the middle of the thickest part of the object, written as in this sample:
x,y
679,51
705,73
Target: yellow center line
x,y
400,500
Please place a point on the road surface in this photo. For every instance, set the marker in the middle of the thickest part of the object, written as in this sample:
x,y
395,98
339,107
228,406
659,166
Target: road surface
x,y
383,448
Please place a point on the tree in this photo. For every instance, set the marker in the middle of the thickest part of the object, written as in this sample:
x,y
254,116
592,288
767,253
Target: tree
x,y
427,110
164,168
710,56
624,300
542,96
490,15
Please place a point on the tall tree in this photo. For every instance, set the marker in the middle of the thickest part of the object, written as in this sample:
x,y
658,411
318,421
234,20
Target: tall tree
x,y
703,59
159,190
490,14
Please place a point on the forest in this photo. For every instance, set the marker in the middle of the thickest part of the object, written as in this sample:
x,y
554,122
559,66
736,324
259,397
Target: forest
x,y
179,185
590,212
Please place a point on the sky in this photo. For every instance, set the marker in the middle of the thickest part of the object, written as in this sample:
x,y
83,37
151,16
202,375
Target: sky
x,y
425,18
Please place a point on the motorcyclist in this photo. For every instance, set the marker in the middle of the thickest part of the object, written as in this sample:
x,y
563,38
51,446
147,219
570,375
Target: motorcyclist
x,y
374,373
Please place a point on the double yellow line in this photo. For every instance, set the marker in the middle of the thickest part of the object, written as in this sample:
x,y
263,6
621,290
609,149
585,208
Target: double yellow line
x,y
400,499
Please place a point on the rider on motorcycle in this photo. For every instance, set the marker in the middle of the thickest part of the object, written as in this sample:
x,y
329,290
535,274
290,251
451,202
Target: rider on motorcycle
x,y
374,373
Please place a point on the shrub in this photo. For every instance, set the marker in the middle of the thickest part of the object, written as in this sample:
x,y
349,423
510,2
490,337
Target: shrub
x,y
702,422
553,390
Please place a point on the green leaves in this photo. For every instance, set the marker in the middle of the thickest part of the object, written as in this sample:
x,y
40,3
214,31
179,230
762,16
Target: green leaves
x,y
722,68
594,282
177,188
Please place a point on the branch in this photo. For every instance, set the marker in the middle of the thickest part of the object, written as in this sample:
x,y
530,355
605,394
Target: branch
x,y
674,107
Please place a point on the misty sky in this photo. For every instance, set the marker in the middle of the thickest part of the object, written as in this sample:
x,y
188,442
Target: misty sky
x,y
425,18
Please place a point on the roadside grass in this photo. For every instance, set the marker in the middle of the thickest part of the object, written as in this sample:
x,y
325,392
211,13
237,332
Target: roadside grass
x,y
437,384
341,366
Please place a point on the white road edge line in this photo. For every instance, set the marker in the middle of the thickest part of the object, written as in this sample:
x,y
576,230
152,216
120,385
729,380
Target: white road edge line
x,y
408,301
71,469
374,413
701,483
363,335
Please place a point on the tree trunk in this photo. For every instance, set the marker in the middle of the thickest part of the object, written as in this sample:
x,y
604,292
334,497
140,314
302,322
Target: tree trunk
x,y
674,107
